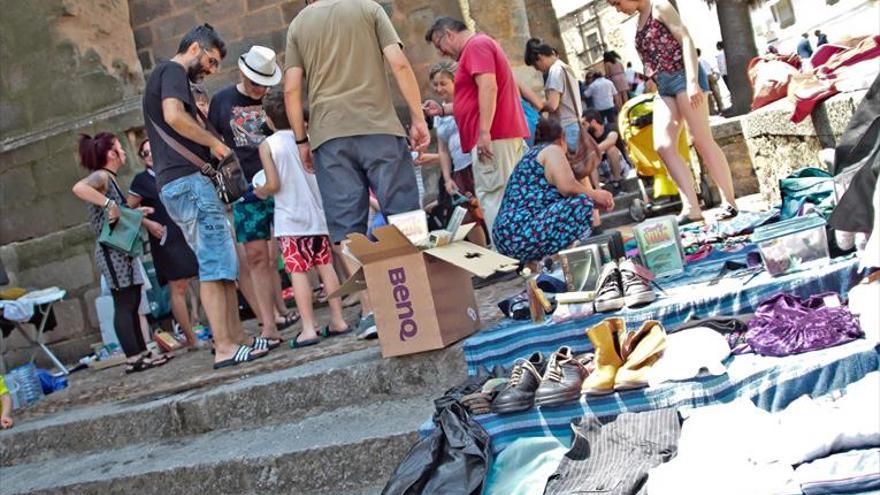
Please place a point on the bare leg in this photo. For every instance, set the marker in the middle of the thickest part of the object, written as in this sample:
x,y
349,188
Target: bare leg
x,y
178,308
236,330
302,292
331,283
613,155
698,124
667,125
215,302
264,287
280,305
478,236
246,283
194,304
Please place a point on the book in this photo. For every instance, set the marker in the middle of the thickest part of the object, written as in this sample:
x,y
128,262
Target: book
x,y
660,246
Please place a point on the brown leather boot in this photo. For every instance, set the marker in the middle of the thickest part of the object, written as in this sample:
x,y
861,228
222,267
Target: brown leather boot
x,y
640,350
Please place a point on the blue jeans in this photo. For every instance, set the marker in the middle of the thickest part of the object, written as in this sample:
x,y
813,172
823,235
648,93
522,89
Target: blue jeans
x,y
193,204
673,83
572,131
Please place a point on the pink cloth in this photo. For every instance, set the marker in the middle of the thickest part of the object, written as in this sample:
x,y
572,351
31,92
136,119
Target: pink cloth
x,y
483,55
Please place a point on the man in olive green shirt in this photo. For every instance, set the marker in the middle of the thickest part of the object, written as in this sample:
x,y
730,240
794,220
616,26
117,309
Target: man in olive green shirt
x,y
339,48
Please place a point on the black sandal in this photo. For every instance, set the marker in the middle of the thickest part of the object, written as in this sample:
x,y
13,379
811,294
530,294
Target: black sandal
x,y
295,344
266,344
142,364
243,354
327,333
288,320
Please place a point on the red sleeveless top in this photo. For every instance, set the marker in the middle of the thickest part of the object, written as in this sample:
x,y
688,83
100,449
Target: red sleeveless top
x,y
658,48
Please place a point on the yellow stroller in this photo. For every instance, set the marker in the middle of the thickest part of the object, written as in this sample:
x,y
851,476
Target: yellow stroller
x,y
636,129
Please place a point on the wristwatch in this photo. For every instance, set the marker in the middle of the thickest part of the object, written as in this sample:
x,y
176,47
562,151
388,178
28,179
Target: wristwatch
x,y
303,140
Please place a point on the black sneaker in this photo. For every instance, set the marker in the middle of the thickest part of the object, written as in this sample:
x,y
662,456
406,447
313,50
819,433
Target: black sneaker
x,y
562,380
636,292
609,290
519,393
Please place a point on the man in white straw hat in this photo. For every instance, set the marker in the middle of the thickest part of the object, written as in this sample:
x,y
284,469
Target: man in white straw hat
x,y
237,113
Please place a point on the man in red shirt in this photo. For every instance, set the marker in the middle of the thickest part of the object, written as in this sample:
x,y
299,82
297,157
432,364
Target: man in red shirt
x,y
486,108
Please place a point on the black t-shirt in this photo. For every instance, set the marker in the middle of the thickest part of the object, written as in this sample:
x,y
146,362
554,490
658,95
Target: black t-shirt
x,y
144,185
239,118
169,80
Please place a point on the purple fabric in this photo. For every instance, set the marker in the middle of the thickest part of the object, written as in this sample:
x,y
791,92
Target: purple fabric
x,y
785,324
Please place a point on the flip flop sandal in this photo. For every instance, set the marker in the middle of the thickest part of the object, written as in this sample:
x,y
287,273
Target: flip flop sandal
x,y
266,344
327,333
243,354
289,319
141,365
295,344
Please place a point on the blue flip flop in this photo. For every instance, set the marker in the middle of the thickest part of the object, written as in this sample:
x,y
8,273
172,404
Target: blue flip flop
x,y
294,344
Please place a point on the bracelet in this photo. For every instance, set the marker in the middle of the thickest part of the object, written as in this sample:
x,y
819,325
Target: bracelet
x,y
107,203
303,140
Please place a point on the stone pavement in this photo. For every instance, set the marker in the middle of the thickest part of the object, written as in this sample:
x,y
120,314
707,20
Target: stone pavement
x,y
190,371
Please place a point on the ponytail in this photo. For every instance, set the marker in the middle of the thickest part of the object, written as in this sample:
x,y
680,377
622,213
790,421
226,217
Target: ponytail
x,y
535,47
93,150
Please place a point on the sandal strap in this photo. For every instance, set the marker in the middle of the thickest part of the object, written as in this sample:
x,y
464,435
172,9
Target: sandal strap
x,y
260,344
242,354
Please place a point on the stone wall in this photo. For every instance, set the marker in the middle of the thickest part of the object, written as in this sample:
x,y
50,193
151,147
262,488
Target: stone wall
x,y
72,66
67,67
777,147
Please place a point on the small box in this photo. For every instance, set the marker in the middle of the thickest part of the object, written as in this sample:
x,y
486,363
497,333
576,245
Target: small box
x,y
787,245
660,246
581,266
422,299
610,244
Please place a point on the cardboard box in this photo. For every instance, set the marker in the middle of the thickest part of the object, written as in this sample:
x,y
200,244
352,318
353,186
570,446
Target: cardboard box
x,y
422,299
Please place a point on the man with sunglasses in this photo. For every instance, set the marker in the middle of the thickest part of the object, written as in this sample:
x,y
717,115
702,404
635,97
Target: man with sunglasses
x,y
170,117
237,113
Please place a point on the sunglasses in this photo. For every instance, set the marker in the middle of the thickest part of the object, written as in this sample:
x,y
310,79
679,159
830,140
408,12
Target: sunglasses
x,y
146,153
211,60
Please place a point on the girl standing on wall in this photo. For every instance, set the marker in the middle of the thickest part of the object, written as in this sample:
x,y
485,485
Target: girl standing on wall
x,y
670,59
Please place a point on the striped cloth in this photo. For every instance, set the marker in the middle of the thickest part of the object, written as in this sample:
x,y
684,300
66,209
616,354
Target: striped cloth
x,y
771,382
688,296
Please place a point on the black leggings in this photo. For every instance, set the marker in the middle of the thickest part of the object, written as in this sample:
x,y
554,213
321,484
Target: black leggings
x,y
126,319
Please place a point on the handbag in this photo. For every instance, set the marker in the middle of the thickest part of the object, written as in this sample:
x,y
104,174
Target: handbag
x,y
227,175
127,233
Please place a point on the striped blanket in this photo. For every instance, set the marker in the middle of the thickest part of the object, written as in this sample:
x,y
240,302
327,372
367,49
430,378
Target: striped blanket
x,y
693,295
772,383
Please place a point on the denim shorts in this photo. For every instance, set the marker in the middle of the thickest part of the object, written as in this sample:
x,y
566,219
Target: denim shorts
x,y
572,132
193,204
673,83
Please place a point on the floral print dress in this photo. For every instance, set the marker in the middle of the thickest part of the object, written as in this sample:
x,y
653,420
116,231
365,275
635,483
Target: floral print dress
x,y
535,220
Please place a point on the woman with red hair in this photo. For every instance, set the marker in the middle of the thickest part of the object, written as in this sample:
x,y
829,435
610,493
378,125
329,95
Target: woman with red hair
x,y
103,156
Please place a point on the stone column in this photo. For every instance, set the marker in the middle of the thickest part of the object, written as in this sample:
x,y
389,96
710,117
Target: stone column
x,y
544,24
507,22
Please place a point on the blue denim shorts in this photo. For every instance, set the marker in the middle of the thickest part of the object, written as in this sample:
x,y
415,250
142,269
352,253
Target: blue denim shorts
x,y
572,132
193,204
673,83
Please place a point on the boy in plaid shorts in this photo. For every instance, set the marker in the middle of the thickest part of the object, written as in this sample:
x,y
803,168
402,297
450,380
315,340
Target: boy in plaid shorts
x,y
300,225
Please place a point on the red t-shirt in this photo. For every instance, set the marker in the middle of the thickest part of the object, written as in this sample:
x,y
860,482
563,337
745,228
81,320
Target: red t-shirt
x,y
483,55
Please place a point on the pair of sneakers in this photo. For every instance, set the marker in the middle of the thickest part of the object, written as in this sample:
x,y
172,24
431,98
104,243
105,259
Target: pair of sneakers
x,y
621,286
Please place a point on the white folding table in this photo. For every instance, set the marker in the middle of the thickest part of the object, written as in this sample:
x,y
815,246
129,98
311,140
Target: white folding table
x,y
42,302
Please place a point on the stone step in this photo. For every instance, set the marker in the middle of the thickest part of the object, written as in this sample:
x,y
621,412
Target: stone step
x,y
341,381
348,450
615,219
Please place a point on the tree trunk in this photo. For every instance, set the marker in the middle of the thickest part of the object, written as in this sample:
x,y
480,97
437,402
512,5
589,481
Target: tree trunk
x,y
735,20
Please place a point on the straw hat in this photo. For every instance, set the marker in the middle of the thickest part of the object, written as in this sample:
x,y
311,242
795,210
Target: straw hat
x,y
259,65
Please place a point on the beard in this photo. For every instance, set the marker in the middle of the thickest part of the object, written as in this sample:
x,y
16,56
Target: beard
x,y
196,72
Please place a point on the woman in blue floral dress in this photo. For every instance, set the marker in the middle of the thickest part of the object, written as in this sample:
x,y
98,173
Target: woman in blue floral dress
x,y
545,207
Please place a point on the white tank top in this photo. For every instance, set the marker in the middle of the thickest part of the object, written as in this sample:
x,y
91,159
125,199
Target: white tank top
x,y
298,207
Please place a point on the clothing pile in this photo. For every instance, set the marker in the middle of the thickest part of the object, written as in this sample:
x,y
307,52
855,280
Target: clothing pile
x,y
830,444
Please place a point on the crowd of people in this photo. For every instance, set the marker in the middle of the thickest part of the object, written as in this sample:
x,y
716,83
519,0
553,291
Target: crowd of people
x,y
530,168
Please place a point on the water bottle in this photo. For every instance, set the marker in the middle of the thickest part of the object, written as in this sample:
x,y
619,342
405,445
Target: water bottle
x,y
30,388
